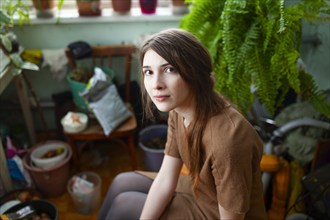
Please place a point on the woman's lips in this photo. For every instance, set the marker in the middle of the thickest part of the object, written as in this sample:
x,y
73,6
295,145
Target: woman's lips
x,y
161,98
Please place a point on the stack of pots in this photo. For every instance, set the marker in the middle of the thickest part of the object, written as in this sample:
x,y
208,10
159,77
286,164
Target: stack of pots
x,y
51,181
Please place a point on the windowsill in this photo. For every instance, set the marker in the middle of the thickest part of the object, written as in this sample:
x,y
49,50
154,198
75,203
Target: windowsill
x,y
70,16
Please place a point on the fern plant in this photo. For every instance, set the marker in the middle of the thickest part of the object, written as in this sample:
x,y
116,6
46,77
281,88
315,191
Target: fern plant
x,y
256,43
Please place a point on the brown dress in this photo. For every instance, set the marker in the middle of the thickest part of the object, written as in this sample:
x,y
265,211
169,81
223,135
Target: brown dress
x,y
230,175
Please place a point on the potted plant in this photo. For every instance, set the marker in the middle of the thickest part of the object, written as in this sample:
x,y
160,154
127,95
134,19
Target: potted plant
x,y
121,6
8,43
148,6
179,7
44,8
89,7
257,44
78,79
152,140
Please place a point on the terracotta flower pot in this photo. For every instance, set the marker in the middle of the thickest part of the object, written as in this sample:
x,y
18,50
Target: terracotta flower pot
x,y
179,7
42,4
121,6
44,8
178,2
89,8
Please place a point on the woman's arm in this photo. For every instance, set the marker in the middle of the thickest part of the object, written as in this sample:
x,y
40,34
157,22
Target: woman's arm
x,y
224,214
162,188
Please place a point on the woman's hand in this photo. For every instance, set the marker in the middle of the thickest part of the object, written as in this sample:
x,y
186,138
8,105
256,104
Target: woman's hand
x,y
162,188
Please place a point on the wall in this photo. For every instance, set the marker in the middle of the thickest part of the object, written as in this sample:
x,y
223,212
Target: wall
x,y
51,36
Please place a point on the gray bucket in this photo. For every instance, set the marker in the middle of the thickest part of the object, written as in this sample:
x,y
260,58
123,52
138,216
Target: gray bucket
x,y
153,157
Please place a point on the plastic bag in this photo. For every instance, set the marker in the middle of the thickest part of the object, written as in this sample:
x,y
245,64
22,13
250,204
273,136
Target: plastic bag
x,y
103,98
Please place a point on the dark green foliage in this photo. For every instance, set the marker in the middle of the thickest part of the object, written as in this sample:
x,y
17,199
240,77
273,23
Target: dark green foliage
x,y
257,43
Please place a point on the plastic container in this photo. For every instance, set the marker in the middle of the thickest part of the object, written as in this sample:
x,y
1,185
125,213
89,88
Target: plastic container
x,y
71,126
41,206
50,182
7,205
148,6
46,163
77,87
153,158
86,202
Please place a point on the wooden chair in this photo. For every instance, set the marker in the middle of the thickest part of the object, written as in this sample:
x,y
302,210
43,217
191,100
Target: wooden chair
x,y
103,55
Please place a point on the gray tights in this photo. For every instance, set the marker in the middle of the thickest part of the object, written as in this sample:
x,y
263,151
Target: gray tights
x,y
125,197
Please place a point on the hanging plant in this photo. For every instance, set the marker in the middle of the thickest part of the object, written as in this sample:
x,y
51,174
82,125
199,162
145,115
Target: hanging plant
x,y
256,44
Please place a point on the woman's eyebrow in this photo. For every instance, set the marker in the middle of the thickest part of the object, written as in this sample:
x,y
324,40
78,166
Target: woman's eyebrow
x,y
165,64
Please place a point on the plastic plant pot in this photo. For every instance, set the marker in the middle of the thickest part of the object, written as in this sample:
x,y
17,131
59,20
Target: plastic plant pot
x,y
148,6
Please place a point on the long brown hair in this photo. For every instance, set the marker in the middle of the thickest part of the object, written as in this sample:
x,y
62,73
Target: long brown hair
x,y
192,61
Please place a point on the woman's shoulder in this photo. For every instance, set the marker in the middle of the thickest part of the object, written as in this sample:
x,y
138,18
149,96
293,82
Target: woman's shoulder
x,y
231,128
229,117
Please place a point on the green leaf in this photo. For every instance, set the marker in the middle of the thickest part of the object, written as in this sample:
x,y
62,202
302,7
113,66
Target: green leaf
x,y
30,66
20,64
256,42
6,42
4,18
16,60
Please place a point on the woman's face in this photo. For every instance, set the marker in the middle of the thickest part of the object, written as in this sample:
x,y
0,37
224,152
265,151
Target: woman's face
x,y
164,84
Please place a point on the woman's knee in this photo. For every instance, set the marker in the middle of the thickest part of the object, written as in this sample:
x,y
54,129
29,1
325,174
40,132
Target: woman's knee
x,y
120,178
132,201
123,181
131,181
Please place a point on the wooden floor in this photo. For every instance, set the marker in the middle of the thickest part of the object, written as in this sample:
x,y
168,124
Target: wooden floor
x,y
104,158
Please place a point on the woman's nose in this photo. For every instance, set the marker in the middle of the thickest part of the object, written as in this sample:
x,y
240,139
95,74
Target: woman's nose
x,y
158,82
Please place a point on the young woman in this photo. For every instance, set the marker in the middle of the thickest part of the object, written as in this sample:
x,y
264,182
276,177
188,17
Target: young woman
x,y
217,144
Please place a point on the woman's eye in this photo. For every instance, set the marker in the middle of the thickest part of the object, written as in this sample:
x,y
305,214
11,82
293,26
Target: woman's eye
x,y
170,70
147,72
